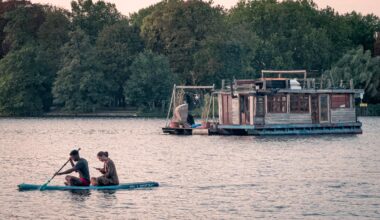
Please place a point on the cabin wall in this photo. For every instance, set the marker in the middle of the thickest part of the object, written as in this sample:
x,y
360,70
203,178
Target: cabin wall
x,y
235,111
343,115
285,118
251,109
225,108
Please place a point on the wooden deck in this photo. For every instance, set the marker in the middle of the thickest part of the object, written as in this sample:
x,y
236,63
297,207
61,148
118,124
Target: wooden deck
x,y
279,129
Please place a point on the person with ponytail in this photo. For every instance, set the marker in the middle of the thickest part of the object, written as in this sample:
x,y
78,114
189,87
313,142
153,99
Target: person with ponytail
x,y
109,176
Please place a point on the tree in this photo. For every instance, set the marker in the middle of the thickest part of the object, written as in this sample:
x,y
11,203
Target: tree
x,y
93,17
137,18
22,26
21,83
52,35
80,85
177,29
358,65
362,29
150,81
117,46
288,32
6,7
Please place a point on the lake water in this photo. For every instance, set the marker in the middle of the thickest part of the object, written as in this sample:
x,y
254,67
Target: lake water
x,y
201,177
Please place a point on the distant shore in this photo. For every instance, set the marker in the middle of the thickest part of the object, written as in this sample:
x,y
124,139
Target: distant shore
x,y
97,114
371,111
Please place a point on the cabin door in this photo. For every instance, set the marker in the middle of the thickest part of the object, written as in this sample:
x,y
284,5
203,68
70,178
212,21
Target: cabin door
x,y
315,108
244,109
226,109
260,110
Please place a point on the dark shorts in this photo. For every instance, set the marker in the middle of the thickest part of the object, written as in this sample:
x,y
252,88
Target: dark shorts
x,y
85,182
103,181
75,181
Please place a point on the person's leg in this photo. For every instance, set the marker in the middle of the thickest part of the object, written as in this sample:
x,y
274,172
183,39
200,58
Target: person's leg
x,y
68,180
103,181
75,181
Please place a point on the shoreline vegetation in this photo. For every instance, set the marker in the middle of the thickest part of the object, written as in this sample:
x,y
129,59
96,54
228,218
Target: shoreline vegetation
x,y
92,60
370,111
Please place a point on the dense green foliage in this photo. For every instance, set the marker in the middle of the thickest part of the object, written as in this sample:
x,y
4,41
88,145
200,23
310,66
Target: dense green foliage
x,y
80,84
151,77
22,90
93,57
359,66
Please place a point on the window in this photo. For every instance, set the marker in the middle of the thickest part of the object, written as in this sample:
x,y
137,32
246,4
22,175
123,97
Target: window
x,y
277,103
340,101
299,103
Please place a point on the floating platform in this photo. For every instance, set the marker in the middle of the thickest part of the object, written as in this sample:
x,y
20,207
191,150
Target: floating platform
x,y
124,186
287,129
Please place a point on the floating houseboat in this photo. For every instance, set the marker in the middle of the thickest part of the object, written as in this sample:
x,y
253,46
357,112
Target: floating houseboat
x,y
278,103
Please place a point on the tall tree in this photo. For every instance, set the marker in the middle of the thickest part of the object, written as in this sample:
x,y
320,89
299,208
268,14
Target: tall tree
x,y
80,85
6,7
151,77
177,30
52,35
117,46
358,65
93,17
22,26
22,90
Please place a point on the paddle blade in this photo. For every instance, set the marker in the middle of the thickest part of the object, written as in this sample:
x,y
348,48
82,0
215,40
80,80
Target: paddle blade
x,y
43,187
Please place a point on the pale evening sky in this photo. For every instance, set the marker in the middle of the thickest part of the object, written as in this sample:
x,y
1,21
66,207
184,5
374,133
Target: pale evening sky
x,y
342,6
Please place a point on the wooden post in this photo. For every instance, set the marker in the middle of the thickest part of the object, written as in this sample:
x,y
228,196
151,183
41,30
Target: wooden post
x,y
351,84
213,108
170,106
321,84
264,84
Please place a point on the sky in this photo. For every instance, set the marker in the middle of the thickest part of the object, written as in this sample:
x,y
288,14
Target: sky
x,y
342,6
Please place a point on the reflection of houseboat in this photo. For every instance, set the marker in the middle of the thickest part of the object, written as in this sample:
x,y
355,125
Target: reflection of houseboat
x,y
275,106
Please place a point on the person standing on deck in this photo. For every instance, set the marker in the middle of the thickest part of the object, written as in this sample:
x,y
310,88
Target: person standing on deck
x,y
109,176
81,167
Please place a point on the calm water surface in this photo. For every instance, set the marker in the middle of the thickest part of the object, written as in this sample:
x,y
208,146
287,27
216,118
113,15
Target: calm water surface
x,y
201,177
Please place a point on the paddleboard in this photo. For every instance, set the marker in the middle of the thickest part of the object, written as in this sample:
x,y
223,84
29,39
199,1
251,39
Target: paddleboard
x,y
28,187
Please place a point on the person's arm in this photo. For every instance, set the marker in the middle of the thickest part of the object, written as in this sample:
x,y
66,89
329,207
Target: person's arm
x,y
71,161
67,171
110,169
102,170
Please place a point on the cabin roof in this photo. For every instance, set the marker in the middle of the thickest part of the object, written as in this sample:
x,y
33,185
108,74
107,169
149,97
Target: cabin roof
x,y
297,91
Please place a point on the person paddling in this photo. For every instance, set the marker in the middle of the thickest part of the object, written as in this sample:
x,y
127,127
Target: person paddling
x,y
81,167
109,176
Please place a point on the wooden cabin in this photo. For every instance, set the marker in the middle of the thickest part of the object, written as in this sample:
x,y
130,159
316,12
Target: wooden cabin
x,y
279,105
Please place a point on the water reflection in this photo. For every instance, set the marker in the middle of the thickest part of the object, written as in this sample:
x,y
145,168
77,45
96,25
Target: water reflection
x,y
80,195
201,177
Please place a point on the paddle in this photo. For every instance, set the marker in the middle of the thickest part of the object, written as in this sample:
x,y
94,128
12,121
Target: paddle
x,y
55,174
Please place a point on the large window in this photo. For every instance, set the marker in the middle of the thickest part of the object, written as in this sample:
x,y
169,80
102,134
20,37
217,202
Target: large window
x,y
340,101
277,103
299,103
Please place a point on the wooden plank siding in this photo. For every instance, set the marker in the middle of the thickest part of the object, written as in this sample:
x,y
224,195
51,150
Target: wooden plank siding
x,y
235,113
251,109
220,108
285,118
343,115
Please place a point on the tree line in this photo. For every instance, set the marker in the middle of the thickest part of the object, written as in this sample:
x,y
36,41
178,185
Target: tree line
x,y
93,57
